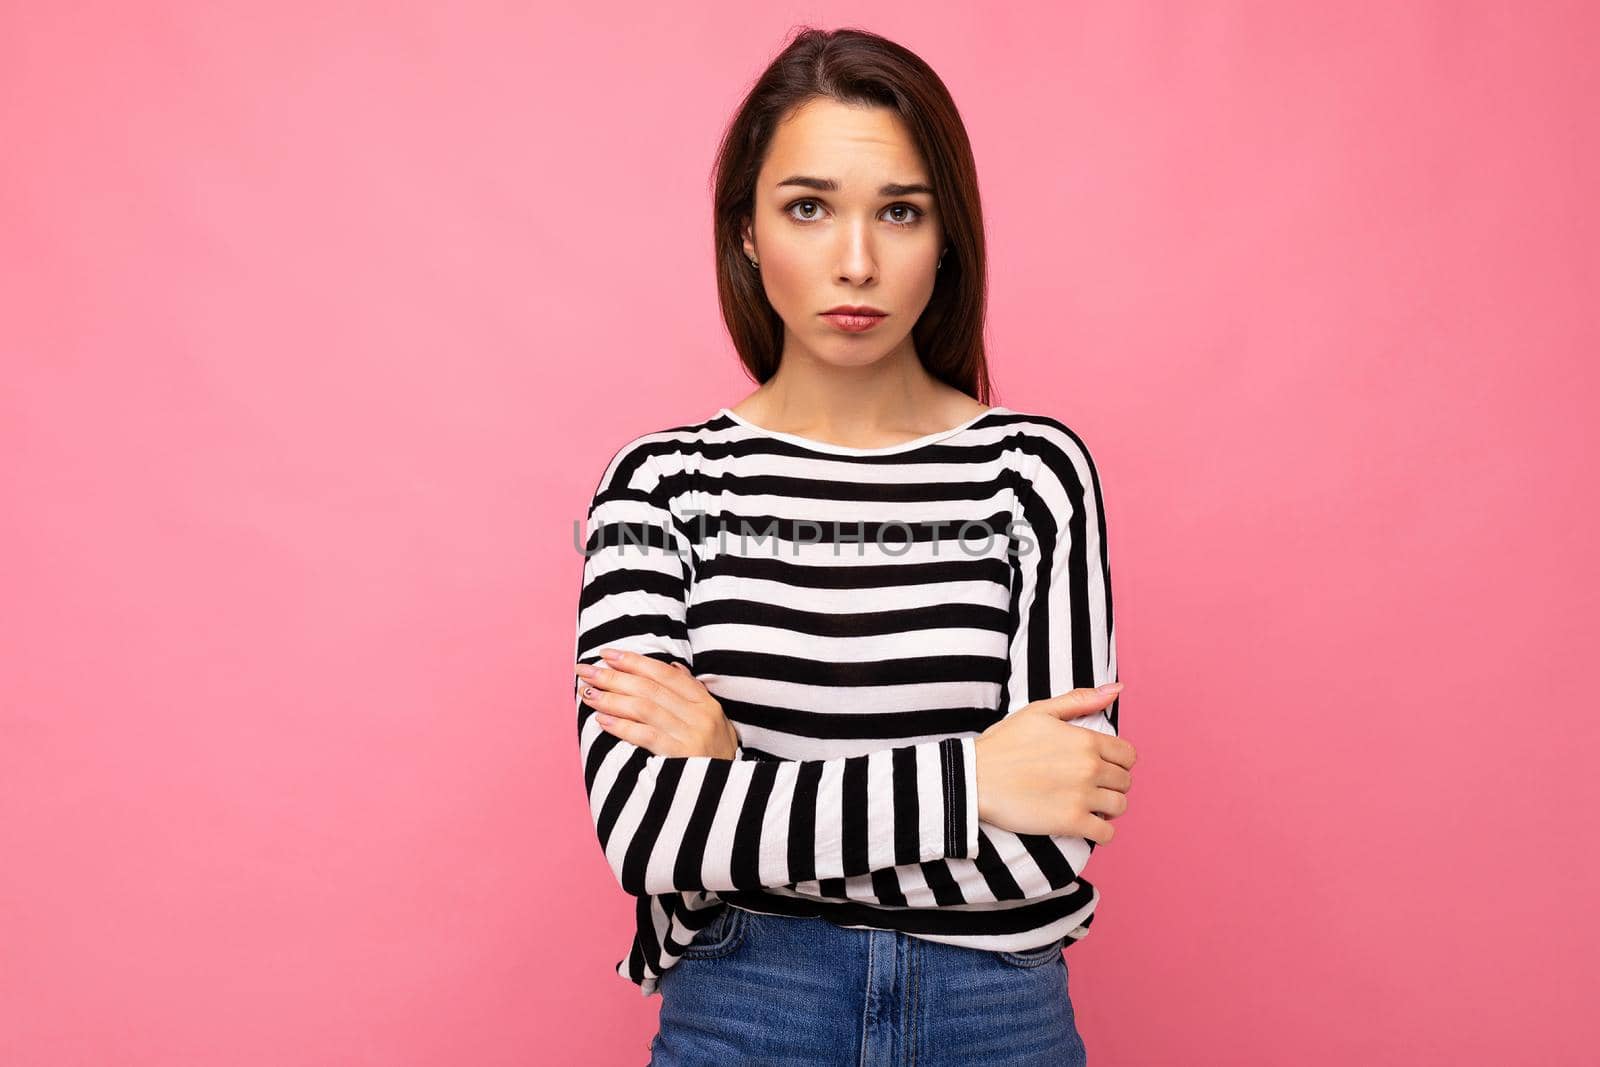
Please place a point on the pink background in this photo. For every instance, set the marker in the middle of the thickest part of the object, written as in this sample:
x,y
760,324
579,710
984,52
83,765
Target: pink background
x,y
319,323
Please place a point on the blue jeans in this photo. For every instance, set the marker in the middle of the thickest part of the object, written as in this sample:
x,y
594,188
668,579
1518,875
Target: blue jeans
x,y
766,989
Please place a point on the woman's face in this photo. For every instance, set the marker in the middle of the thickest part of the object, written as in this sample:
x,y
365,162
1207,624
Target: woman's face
x,y
830,228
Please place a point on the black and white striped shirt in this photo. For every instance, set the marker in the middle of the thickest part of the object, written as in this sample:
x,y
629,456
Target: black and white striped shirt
x,y
861,614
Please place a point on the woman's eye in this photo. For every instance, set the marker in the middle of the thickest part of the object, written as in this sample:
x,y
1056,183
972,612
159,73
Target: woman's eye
x,y
911,217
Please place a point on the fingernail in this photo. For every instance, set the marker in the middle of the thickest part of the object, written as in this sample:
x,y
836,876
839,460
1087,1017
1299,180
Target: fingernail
x,y
1109,687
588,690
602,718
586,670
610,655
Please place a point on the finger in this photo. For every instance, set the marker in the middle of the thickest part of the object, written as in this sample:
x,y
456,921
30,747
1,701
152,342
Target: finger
x,y
634,733
623,705
1111,776
1117,750
681,683
1077,703
1108,802
1100,830
591,695
625,683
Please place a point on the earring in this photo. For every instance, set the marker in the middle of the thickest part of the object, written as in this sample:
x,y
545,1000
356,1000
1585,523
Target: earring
x,y
754,264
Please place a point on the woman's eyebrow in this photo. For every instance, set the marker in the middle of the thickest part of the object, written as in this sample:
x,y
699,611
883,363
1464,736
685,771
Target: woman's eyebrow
x,y
828,185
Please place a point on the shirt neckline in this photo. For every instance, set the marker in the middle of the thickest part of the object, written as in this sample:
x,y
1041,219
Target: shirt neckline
x,y
845,450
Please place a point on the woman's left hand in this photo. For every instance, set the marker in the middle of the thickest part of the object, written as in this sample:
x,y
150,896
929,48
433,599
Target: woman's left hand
x,y
657,706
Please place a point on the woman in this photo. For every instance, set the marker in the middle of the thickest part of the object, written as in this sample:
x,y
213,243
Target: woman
x,y
846,665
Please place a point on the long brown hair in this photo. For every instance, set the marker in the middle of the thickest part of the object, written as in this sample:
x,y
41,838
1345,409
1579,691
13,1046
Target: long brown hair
x,y
856,67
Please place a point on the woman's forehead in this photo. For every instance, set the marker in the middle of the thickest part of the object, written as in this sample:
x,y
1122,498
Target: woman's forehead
x,y
834,147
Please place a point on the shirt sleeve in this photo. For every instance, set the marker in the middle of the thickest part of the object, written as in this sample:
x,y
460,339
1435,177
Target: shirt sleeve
x,y
676,823
1065,639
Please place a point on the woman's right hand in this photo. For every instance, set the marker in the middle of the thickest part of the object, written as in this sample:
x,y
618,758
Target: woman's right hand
x,y
1040,774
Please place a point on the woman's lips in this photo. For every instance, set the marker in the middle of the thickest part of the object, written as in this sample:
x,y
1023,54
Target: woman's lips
x,y
853,323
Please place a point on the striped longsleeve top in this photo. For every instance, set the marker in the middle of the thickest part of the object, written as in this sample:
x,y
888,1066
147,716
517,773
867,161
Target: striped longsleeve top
x,y
861,615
